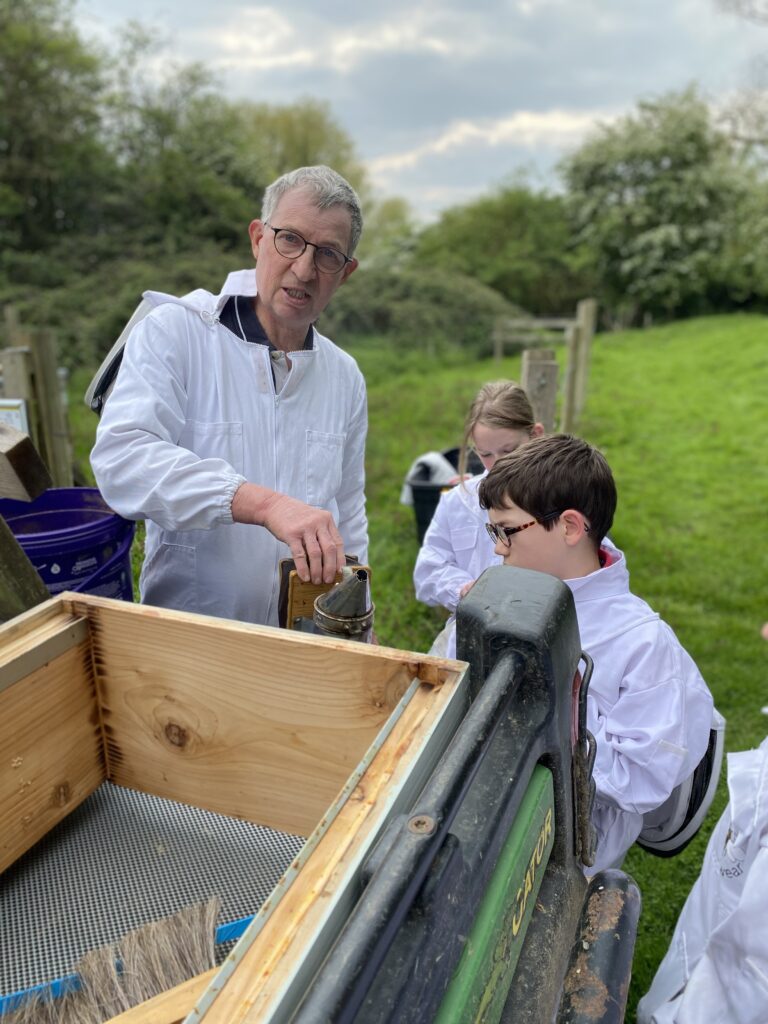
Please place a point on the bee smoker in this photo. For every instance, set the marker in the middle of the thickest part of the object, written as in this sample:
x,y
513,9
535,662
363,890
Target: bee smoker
x,y
345,611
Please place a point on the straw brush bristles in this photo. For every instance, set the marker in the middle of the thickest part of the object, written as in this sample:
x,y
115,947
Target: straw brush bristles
x,y
146,962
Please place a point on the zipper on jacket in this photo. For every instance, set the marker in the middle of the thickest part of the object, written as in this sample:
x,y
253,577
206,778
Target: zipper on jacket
x,y
211,320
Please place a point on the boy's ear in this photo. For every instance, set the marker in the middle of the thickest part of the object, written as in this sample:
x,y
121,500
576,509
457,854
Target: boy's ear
x,y
575,525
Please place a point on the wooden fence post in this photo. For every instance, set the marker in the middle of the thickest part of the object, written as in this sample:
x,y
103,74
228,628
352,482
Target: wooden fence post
x,y
569,385
586,318
12,325
23,476
539,366
55,429
30,371
18,382
539,381
578,339
497,334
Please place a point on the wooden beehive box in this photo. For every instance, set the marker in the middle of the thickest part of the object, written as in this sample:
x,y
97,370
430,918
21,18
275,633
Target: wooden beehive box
x,y
326,739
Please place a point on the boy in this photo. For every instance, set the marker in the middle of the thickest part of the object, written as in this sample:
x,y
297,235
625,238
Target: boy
x,y
550,504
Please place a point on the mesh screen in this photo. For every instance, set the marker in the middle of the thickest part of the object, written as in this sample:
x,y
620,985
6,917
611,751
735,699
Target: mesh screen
x,y
120,860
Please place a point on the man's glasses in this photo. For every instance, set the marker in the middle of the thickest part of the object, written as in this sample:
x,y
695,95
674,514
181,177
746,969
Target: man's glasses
x,y
291,245
504,533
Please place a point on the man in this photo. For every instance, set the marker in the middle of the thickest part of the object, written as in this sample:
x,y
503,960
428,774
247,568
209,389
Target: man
x,y
235,428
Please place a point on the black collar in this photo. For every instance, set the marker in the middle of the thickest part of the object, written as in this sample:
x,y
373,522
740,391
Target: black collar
x,y
239,316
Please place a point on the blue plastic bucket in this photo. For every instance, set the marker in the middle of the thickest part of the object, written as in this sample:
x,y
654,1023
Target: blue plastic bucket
x,y
75,541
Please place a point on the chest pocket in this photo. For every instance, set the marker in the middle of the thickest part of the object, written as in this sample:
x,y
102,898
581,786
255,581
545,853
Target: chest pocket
x,y
465,538
325,453
215,441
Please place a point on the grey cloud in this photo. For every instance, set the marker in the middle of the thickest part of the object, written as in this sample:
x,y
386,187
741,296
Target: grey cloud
x,y
479,63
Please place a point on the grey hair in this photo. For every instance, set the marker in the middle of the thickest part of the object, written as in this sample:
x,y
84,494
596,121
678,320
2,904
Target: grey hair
x,y
328,188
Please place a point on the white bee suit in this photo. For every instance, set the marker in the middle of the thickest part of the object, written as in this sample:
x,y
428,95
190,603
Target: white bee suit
x,y
456,547
193,415
648,707
716,968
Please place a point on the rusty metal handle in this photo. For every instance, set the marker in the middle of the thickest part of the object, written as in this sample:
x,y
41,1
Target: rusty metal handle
x,y
583,783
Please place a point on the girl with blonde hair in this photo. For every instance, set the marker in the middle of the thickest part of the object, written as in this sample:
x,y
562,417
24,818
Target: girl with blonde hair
x,y
456,547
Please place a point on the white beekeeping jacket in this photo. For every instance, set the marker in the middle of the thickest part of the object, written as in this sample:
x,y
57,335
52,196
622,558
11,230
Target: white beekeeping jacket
x,y
648,707
194,413
716,968
456,547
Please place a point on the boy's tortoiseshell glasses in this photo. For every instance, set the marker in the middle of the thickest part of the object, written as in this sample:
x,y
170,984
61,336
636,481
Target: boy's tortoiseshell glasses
x,y
504,533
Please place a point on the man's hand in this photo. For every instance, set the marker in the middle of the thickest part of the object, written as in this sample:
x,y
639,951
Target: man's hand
x,y
466,588
316,545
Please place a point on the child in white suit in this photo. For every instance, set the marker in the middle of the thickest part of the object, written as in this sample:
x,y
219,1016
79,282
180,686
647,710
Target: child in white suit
x,y
456,548
716,967
550,504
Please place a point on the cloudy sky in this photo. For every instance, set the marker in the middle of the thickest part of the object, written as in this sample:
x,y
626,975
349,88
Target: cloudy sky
x,y
445,99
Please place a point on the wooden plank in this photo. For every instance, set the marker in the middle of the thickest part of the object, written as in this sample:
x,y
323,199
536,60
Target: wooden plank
x,y
32,628
51,746
532,331
532,338
266,968
56,641
248,721
51,614
542,323
20,585
23,474
428,669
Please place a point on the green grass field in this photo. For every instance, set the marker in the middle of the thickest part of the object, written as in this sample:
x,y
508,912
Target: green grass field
x,y
680,413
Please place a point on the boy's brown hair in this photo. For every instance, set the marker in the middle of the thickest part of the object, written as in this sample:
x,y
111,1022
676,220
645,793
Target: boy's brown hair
x,y
547,475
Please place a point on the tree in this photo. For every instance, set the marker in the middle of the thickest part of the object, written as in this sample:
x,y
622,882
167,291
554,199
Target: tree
x,y
517,242
52,155
657,197
745,117
193,165
389,235
184,170
118,174
429,311
745,113
300,134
